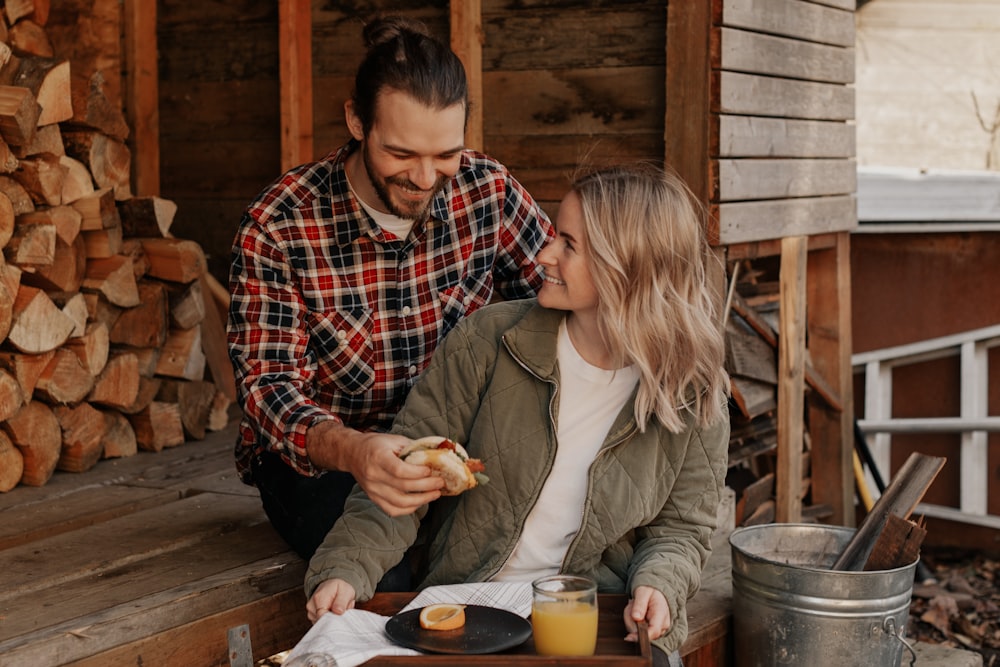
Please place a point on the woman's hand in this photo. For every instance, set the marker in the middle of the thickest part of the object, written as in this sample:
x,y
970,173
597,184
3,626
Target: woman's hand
x,y
647,604
334,595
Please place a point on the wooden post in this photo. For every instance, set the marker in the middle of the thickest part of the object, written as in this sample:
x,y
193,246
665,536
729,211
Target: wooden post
x,y
689,117
467,43
832,431
142,103
791,378
295,81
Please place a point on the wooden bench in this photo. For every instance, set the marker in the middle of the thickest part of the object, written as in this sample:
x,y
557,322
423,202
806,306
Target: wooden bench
x,y
155,559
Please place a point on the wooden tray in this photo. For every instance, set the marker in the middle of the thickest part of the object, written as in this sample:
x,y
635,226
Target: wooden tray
x,y
612,649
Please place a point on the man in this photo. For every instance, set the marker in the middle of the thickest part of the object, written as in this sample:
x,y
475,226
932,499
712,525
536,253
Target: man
x,y
347,272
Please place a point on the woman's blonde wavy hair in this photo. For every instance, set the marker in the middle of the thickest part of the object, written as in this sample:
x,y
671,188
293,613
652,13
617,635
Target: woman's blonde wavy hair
x,y
648,253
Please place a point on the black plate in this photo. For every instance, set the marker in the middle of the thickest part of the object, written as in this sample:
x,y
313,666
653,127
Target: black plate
x,y
486,630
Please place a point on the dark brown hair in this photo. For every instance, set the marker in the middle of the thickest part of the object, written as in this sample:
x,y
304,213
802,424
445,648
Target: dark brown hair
x,y
402,55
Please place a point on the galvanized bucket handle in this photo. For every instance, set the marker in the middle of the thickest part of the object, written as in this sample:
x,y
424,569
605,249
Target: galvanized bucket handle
x,y
889,626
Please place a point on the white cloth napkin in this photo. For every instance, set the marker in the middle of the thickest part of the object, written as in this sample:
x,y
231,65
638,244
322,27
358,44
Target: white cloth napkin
x,y
357,636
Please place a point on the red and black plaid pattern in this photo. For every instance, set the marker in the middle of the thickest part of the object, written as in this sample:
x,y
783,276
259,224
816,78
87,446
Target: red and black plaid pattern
x,y
331,318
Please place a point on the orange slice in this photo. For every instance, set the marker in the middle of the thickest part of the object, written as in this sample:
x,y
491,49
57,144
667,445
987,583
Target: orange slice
x,y
442,616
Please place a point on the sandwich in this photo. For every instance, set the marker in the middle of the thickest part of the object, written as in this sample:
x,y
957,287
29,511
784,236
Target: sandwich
x,y
447,459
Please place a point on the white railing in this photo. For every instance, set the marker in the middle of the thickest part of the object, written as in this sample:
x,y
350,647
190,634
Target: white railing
x,y
973,423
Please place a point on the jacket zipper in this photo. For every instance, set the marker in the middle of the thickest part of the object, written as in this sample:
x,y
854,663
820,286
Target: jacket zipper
x,y
590,485
590,474
548,470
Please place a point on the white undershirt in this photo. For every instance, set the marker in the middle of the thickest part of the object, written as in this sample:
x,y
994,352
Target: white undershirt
x,y
393,224
589,400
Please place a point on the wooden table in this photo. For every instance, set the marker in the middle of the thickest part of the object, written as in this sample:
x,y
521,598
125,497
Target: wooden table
x,y
612,649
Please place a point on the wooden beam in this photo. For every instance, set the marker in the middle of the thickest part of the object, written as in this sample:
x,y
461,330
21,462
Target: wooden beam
x,y
276,622
142,103
791,378
753,95
295,81
777,178
689,118
749,51
467,43
832,434
772,247
747,221
758,136
807,21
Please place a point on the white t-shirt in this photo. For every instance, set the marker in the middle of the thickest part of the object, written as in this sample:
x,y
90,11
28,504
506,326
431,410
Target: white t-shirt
x,y
393,224
589,400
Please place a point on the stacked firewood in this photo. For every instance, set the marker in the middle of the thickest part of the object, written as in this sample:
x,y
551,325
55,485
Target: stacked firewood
x,y
752,362
110,340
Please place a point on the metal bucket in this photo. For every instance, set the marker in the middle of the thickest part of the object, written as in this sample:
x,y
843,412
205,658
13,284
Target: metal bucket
x,y
789,608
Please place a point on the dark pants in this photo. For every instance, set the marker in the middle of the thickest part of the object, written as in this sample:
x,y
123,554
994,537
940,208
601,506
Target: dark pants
x,y
303,510
661,659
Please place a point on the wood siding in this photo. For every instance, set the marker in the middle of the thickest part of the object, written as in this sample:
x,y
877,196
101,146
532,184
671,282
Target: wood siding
x,y
564,84
941,284
784,154
749,100
220,128
759,115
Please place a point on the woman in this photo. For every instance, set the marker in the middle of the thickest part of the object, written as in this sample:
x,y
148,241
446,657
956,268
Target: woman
x,y
599,412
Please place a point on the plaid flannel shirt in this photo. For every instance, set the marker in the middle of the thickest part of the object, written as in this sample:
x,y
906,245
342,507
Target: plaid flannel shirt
x,y
331,318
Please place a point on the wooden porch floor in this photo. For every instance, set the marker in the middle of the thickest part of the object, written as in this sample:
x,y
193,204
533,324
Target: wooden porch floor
x,y
152,559
147,560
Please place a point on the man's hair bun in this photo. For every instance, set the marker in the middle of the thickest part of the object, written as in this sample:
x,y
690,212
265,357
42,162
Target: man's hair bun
x,y
384,30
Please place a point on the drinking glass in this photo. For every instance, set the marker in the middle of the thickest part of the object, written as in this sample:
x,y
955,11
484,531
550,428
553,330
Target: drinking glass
x,y
564,615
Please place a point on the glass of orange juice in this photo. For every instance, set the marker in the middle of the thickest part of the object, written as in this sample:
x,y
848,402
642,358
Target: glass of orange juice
x,y
564,615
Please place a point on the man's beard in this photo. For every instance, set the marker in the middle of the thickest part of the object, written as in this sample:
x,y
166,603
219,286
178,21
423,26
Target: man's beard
x,y
415,211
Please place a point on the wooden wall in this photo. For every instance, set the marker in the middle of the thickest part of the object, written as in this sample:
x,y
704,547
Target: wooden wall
x,y
573,83
941,284
778,102
590,85
564,83
750,100
758,111
219,126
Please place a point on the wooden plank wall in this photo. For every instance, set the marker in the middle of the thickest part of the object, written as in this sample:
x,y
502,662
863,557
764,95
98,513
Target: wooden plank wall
x,y
569,84
563,83
785,150
220,129
589,81
758,120
754,110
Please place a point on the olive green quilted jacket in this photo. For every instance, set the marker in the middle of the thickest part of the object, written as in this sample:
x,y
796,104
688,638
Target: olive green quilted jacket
x,y
493,386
